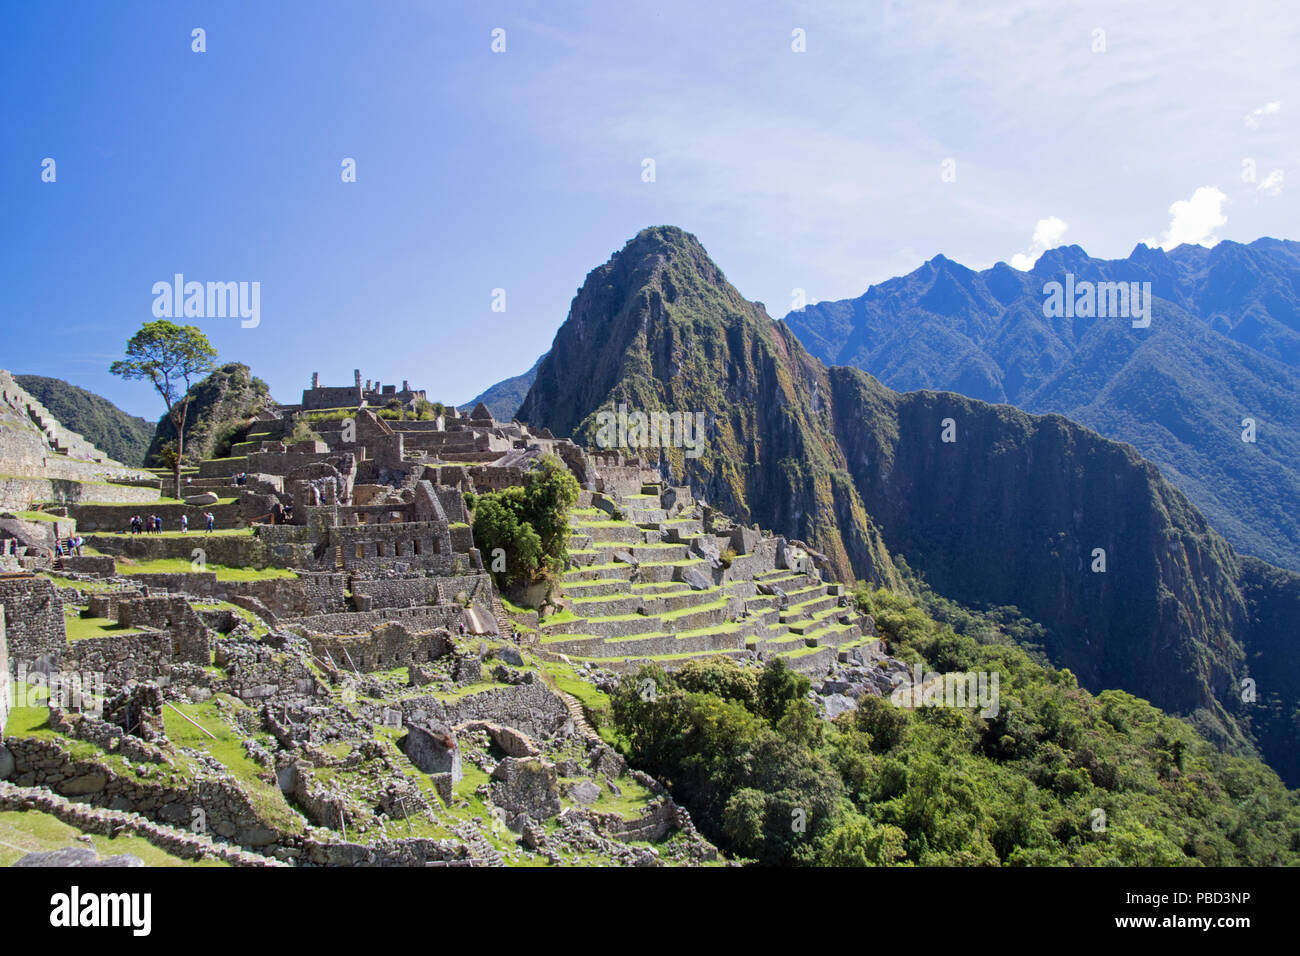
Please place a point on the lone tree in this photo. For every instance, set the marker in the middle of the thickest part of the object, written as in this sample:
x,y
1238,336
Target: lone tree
x,y
169,356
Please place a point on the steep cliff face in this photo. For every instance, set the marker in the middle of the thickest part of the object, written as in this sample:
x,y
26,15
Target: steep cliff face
x,y
1273,663
1013,511
1023,510
659,328
220,405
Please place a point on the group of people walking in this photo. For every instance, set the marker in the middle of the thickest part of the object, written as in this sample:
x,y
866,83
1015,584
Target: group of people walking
x,y
69,546
150,525
153,524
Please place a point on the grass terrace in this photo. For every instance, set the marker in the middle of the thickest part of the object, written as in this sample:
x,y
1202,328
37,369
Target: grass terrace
x,y
182,566
79,628
228,749
30,831
39,516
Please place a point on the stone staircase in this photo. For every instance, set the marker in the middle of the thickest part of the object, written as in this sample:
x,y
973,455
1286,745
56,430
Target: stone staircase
x,y
641,587
61,441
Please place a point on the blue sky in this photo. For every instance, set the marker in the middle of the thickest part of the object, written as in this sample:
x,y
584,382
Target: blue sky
x,y
522,170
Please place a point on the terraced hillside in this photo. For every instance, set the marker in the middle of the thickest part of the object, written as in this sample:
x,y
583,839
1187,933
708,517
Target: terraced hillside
x,y
656,576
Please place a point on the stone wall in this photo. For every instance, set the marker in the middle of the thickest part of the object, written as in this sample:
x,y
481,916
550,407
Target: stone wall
x,y
331,397
389,645
116,519
19,493
33,618
105,603
88,819
417,544
311,593
226,807
531,708
171,613
230,550
98,565
121,657
420,618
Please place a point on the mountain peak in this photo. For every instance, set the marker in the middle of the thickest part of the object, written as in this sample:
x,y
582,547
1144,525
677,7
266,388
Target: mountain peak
x,y
1066,258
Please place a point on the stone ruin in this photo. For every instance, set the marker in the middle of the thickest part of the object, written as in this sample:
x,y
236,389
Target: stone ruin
x,y
370,517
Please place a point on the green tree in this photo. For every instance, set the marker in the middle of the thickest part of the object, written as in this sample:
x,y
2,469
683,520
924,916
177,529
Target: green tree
x,y
550,490
722,677
528,522
777,686
861,843
169,357
497,525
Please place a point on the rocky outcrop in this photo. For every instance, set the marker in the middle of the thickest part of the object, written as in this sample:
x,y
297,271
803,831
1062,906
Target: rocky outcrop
x,y
221,405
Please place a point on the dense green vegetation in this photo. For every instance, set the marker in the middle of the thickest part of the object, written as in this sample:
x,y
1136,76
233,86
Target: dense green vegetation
x,y
122,437
1057,777
528,523
221,408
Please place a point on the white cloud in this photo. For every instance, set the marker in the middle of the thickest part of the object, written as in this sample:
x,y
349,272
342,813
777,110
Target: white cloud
x,y
1272,183
1047,235
1194,220
1252,118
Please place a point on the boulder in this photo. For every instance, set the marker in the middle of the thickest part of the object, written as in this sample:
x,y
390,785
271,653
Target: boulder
x,y
707,549
203,499
607,761
837,704
744,540
432,748
696,579
76,856
92,782
584,792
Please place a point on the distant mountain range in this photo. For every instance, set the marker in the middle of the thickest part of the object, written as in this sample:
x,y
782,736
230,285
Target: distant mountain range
x,y
1013,510
1223,346
122,437
504,398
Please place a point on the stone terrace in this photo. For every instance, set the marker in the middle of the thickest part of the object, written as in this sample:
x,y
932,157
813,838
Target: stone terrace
x,y
649,581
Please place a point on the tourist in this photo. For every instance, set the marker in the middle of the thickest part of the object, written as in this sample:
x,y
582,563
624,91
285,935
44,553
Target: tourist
x,y
185,523
80,541
212,520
